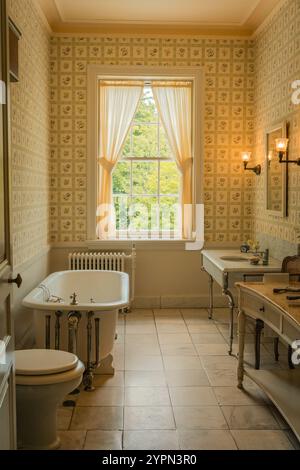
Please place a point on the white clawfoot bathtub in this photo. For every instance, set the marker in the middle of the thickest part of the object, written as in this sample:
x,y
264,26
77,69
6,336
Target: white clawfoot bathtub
x,y
100,292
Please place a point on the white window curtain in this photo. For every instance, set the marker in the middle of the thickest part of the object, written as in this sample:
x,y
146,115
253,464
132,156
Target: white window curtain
x,y
174,103
118,101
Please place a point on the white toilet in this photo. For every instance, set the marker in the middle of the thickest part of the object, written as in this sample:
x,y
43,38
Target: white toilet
x,y
43,378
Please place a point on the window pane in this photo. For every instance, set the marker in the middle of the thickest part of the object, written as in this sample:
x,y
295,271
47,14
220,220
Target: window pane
x,y
146,111
164,147
169,178
169,213
144,140
143,213
121,178
144,177
126,151
121,204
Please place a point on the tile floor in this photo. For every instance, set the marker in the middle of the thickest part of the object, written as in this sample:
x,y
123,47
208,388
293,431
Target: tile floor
x,y
175,388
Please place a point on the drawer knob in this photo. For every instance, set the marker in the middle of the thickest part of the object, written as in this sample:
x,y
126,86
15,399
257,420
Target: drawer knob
x,y
262,309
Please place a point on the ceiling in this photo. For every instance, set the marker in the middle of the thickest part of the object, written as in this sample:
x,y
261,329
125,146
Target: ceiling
x,y
160,16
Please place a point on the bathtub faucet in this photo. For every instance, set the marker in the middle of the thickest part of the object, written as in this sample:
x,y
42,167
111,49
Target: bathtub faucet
x,y
73,297
46,292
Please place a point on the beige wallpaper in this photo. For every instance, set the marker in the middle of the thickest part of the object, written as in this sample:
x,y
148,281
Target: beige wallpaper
x,y
30,135
277,65
228,111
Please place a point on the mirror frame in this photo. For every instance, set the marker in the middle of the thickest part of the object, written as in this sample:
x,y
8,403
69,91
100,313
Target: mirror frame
x,y
283,125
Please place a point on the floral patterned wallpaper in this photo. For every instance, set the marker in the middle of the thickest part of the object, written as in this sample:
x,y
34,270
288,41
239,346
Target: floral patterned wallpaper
x,y
277,65
228,124
30,123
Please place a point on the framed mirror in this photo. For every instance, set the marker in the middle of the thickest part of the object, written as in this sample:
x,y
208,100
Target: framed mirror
x,y
276,173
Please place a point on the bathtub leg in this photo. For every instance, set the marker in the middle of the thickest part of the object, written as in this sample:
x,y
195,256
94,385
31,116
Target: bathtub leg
x,y
73,321
88,376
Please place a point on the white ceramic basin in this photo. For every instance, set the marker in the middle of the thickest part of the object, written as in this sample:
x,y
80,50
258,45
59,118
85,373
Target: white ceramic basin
x,y
233,258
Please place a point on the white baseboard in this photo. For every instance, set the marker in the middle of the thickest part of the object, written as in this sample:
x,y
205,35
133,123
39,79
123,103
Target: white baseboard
x,y
178,301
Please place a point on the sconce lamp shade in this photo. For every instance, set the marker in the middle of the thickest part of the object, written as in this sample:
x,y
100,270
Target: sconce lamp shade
x,y
281,144
246,156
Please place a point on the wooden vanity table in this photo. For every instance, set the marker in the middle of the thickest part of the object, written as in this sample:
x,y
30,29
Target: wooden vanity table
x,y
257,300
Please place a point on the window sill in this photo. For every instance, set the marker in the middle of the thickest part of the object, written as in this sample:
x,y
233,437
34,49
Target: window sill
x,y
169,245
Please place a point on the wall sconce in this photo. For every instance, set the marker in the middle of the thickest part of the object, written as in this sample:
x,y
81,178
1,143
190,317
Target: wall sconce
x,y
246,158
282,149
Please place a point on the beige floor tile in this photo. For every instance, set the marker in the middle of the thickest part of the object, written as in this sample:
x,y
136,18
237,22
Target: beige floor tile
x,y
199,417
138,362
147,396
161,312
171,328
134,329
119,362
151,440
165,320
182,362
115,380
140,312
186,378
106,396
249,417
206,440
103,440
235,396
207,338
261,440
202,328
64,416
192,396
141,339
178,350
144,378
194,312
219,362
151,349
72,440
97,417
223,377
150,417
212,349
174,338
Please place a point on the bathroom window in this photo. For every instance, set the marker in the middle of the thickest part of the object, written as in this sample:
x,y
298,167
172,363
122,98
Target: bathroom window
x,y
144,143
146,182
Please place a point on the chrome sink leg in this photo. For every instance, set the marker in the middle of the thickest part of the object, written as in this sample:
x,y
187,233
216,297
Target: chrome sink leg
x,y
230,299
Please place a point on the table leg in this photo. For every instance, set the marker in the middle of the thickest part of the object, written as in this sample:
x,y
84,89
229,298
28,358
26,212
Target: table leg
x,y
241,335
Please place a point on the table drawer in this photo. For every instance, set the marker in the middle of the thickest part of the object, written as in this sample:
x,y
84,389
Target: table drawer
x,y
257,308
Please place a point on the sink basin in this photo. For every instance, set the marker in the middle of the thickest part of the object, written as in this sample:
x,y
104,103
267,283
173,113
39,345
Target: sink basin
x,y
233,258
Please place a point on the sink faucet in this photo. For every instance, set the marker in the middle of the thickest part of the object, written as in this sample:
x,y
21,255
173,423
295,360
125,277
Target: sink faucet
x,y
265,254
